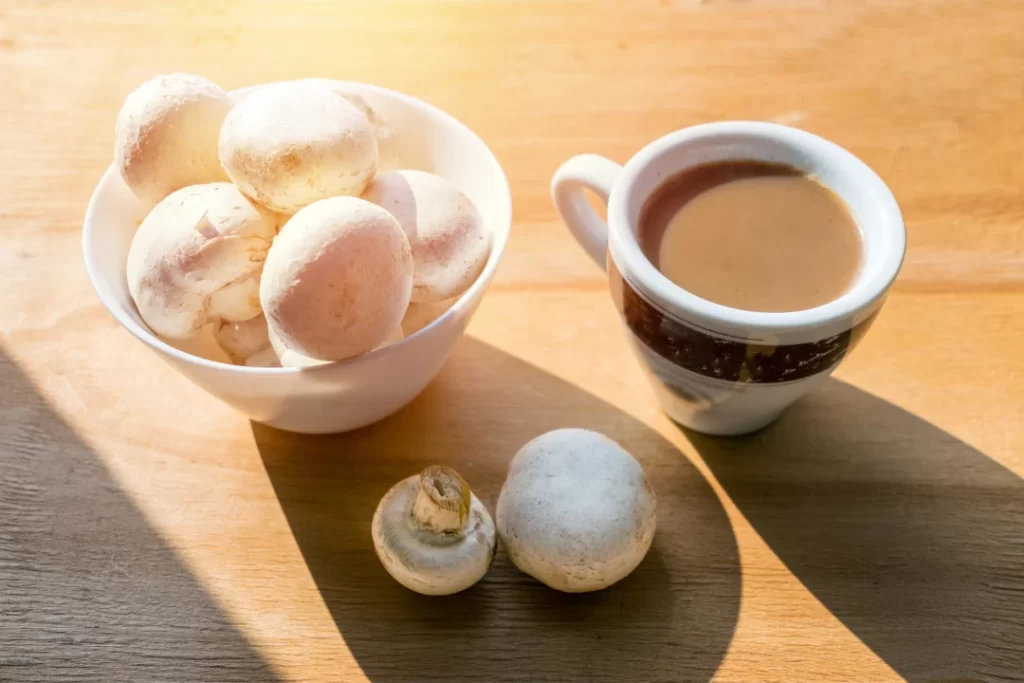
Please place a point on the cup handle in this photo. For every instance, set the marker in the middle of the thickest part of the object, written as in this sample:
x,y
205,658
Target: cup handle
x,y
594,173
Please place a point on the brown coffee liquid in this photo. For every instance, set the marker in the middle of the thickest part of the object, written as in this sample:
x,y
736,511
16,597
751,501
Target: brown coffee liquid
x,y
752,235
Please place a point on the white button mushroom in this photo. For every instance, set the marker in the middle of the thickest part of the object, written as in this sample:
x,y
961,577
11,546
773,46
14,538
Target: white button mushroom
x,y
166,135
432,534
288,145
202,345
396,336
418,316
242,340
337,282
286,358
197,258
450,243
576,511
264,359
387,140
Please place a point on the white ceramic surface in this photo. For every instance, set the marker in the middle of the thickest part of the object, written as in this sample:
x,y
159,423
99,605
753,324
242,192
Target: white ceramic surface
x,y
340,396
702,401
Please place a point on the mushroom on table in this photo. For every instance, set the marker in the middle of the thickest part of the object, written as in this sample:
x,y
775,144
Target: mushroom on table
x,y
576,511
432,534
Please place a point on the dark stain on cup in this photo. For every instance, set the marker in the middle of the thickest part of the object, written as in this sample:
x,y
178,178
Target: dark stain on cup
x,y
717,357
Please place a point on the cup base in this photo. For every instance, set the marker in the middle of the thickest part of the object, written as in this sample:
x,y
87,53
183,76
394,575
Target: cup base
x,y
714,425
717,407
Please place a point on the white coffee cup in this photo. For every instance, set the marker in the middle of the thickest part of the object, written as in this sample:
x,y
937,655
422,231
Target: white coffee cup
x,y
334,397
716,369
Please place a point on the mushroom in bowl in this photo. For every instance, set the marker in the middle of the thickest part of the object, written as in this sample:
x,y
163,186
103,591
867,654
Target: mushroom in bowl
x,y
347,394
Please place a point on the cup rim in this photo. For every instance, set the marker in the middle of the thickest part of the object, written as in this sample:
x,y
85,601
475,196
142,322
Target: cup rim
x,y
641,273
466,300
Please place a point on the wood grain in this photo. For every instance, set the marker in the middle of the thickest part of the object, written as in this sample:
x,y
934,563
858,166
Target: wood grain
x,y
148,533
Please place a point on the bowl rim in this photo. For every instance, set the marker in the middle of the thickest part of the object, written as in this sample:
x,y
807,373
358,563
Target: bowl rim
x,y
475,291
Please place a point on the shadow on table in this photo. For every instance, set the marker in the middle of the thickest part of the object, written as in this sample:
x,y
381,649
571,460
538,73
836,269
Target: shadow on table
x,y
671,620
88,590
910,537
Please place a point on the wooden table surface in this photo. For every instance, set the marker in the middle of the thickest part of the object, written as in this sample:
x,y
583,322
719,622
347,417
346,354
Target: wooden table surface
x,y
876,533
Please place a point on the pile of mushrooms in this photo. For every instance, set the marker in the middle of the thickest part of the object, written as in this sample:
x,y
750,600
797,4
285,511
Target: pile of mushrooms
x,y
576,512
271,229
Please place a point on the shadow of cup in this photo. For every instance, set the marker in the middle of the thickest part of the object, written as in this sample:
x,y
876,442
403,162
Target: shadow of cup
x,y
910,537
671,620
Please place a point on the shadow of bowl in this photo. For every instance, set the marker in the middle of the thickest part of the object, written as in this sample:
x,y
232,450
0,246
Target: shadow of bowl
x,y
671,620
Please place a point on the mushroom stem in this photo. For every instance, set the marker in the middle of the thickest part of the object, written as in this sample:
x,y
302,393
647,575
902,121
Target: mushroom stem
x,y
432,535
442,501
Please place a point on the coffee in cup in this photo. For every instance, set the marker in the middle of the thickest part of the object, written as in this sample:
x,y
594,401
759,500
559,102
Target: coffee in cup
x,y
751,235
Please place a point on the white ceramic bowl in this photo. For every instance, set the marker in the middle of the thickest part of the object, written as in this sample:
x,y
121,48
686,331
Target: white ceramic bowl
x,y
338,396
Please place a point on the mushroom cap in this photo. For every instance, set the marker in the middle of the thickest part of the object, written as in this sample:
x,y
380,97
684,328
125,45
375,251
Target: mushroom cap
x,y
286,358
337,282
202,345
450,243
576,511
242,340
423,559
418,316
197,257
263,359
287,145
166,135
